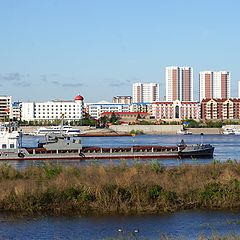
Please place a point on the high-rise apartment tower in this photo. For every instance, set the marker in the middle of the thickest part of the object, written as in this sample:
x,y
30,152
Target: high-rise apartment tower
x,y
145,92
179,83
214,84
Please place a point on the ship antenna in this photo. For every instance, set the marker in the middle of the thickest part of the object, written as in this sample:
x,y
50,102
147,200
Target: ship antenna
x,y
20,138
201,138
62,119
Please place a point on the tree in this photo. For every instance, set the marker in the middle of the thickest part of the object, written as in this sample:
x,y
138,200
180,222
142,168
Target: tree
x,y
103,120
114,118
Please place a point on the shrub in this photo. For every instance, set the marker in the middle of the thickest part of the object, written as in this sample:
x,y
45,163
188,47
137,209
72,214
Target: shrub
x,y
157,167
154,192
52,171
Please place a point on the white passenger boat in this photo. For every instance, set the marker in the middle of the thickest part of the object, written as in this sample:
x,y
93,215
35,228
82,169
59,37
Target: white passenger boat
x,y
65,130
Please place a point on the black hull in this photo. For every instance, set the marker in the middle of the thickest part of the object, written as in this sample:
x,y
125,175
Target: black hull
x,y
198,153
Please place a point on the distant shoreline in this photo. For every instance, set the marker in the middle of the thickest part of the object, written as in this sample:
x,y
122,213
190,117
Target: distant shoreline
x,y
118,130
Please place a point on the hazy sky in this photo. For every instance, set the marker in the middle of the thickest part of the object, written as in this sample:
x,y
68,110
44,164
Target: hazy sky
x,y
58,48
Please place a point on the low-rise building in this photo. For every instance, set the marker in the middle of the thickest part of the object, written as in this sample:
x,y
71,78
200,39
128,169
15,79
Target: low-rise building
x,y
220,109
176,110
128,117
53,110
141,107
96,109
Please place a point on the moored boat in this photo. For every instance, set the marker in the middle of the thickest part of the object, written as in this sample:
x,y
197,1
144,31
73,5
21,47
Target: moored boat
x,y
65,129
184,132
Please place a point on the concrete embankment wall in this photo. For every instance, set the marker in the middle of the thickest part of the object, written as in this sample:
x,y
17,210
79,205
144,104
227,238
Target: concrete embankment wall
x,y
148,129
163,129
205,130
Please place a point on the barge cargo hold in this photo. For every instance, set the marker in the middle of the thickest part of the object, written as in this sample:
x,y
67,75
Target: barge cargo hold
x,y
58,147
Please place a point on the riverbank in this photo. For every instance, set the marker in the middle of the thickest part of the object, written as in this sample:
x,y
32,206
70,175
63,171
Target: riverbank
x,y
120,130
122,189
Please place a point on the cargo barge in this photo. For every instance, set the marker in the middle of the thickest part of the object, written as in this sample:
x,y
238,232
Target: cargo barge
x,y
60,147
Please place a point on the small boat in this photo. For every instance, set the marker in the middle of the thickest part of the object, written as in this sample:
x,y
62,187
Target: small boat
x,y
184,132
228,131
65,130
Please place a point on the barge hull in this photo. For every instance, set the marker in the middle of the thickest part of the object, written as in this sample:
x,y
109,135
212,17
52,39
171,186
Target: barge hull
x,y
88,153
112,156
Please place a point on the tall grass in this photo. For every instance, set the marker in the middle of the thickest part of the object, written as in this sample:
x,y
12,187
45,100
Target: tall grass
x,y
122,189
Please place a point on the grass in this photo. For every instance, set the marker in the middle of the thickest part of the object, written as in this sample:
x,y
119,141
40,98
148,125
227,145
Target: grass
x,y
146,188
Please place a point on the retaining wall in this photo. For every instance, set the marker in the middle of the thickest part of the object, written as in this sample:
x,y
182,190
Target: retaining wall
x,y
150,129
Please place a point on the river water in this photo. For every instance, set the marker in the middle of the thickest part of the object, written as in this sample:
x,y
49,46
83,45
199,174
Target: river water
x,y
226,147
184,224
180,225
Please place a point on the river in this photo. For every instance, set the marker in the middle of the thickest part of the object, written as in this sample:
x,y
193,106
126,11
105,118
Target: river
x,y
226,147
186,224
182,225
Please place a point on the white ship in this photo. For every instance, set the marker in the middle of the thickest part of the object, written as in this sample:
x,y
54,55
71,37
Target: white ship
x,y
65,130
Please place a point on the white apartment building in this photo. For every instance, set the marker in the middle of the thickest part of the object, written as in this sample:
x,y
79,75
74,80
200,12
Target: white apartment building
x,y
16,111
52,110
179,83
141,107
5,108
214,84
96,109
145,92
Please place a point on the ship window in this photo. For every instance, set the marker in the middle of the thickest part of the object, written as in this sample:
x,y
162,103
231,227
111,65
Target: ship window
x,y
11,145
4,145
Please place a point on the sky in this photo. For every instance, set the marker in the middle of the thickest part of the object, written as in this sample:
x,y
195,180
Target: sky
x,y
56,49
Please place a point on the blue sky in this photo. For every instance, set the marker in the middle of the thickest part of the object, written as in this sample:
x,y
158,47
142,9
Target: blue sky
x,y
58,48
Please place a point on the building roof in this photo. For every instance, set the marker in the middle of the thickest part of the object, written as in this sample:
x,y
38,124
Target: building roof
x,y
221,100
168,102
122,96
125,113
78,98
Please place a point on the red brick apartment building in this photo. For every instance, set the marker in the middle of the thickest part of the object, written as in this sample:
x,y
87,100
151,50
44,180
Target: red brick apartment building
x,y
176,110
220,109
